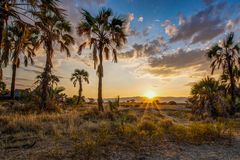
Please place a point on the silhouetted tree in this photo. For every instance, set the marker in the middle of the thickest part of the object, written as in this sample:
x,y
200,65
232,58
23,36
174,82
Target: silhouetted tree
x,y
53,29
226,55
105,34
79,76
23,38
12,10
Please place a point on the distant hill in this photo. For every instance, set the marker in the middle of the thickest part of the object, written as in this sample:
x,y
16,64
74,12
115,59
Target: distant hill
x,y
141,99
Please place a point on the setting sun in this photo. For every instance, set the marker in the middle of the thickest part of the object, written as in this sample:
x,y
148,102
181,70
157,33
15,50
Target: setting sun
x,y
150,94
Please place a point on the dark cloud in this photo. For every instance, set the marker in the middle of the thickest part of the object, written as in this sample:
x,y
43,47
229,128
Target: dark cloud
x,y
133,32
149,49
178,62
203,26
164,72
180,59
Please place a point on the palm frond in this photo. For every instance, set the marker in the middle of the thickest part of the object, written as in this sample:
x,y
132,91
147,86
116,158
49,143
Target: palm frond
x,y
81,48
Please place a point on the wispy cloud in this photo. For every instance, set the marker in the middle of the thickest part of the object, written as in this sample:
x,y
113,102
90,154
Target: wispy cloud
x,y
140,19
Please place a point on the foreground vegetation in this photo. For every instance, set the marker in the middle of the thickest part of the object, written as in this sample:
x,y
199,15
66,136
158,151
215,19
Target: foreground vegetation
x,y
85,133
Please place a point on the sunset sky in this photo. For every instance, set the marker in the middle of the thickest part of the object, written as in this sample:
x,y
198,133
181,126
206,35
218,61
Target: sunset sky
x,y
164,53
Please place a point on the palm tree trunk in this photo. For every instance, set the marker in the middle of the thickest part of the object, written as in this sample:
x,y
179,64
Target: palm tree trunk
x,y
46,78
1,35
14,69
232,88
100,76
79,91
213,110
233,96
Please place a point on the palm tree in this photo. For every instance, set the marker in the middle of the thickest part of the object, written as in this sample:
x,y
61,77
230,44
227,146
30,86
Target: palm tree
x,y
226,56
205,95
53,80
22,38
105,33
12,9
79,76
53,29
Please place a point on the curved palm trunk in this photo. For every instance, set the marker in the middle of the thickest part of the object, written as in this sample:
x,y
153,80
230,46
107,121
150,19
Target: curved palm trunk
x,y
46,77
100,76
79,91
233,96
14,70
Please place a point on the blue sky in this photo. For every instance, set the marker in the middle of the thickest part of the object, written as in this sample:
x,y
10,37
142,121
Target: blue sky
x,y
165,49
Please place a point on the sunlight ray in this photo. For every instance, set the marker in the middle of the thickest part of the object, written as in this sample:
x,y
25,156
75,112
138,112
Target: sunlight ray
x,y
145,111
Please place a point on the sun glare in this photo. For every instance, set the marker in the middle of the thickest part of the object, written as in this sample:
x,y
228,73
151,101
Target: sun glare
x,y
150,94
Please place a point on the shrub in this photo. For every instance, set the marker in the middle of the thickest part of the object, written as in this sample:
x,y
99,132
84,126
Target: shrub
x,y
147,126
91,114
128,117
166,124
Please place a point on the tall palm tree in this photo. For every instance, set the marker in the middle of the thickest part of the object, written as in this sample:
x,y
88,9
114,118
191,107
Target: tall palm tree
x,y
12,9
206,95
79,76
54,29
22,38
226,56
105,33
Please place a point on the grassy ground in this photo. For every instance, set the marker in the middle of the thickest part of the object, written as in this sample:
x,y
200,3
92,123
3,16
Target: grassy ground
x,y
135,131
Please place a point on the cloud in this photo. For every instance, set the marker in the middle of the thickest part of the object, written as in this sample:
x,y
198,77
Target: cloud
x,y
182,20
20,82
146,31
31,70
170,29
17,79
232,23
129,19
133,32
149,49
179,63
163,71
179,59
190,84
203,26
140,19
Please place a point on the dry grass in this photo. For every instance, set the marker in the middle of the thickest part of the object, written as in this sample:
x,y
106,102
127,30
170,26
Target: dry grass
x,y
87,133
